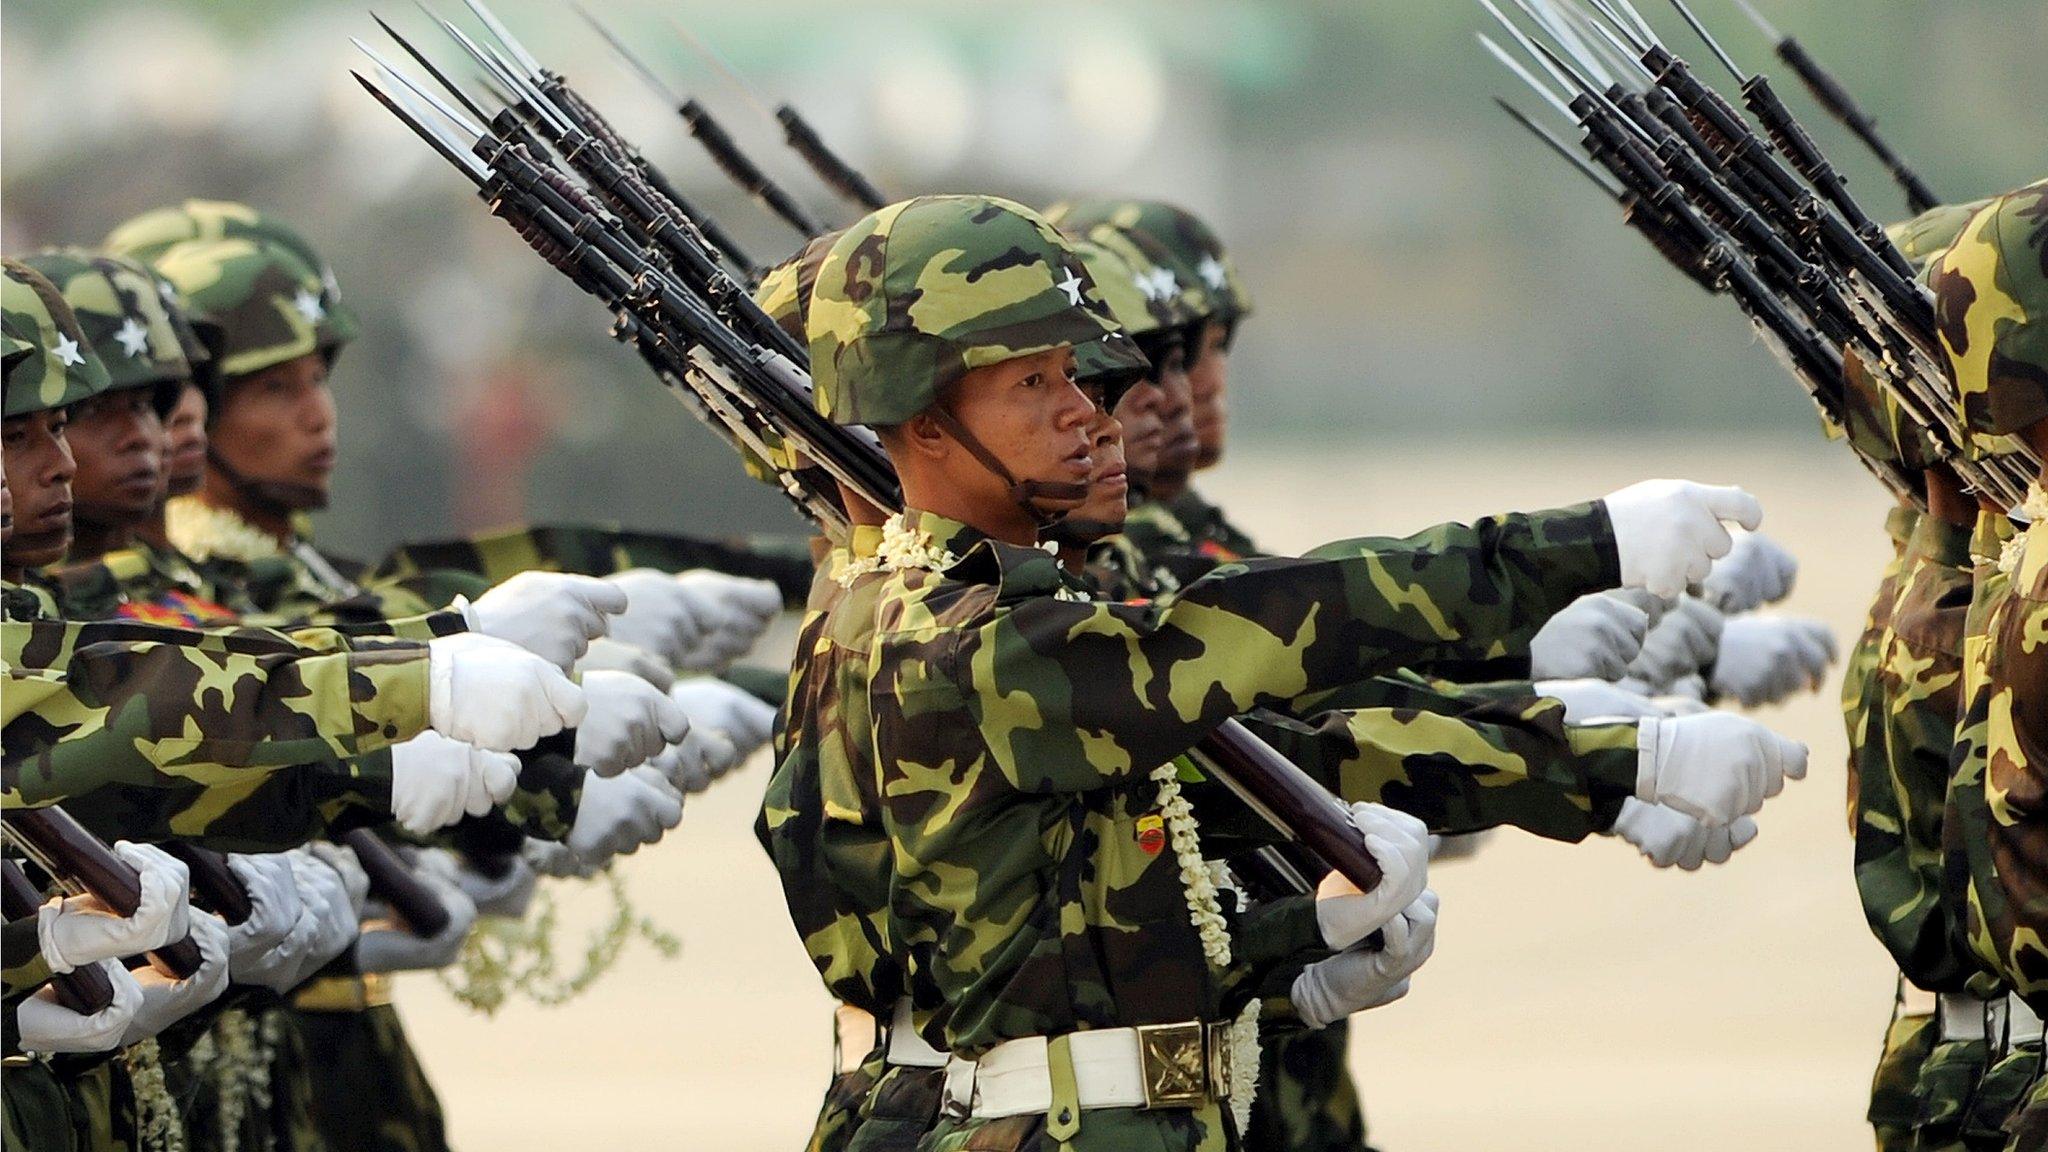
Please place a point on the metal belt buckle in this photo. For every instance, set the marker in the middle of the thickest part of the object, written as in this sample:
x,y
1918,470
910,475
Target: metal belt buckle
x,y
1175,1064
1222,1072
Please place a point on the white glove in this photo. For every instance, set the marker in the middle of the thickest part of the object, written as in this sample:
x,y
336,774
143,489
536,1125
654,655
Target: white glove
x,y
661,616
435,781
1668,532
74,931
556,861
553,615
1713,767
274,909
620,813
506,895
47,1026
1400,844
1666,837
167,999
341,859
723,708
1756,571
1681,644
400,950
701,757
1356,979
329,918
734,610
1764,659
629,722
1594,636
609,655
497,695
1586,701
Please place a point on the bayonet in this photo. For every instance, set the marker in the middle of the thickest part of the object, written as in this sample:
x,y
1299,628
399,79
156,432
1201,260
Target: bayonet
x,y
1713,45
1527,77
441,78
1564,150
504,36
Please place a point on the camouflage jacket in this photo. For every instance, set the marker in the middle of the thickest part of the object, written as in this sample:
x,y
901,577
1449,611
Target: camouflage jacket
x,y
2007,682
1187,524
1914,701
150,584
600,550
1015,728
1860,712
1969,882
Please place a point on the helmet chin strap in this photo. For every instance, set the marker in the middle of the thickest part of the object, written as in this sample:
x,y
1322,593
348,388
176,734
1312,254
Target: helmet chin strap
x,y
281,497
1024,493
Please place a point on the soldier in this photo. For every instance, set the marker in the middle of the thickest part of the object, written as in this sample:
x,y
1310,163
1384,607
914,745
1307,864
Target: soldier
x,y
1991,295
1003,362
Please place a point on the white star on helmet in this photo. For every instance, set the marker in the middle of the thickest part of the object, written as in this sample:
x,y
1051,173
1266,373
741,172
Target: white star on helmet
x,y
134,338
307,302
1072,287
67,352
1212,272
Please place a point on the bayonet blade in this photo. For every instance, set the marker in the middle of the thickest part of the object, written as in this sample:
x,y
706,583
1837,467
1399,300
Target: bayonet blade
x,y
388,68
413,117
1564,150
633,62
440,77
1762,25
1513,65
504,36
1706,37
718,61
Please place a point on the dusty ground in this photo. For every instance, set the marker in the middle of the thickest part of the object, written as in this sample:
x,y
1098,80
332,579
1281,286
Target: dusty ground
x,y
1578,999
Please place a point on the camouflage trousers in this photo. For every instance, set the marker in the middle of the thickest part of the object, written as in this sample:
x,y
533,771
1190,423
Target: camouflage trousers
x,y
1943,1090
369,1093
37,1109
2028,1127
1999,1099
1894,1109
901,1109
839,1116
1205,1129
1306,1099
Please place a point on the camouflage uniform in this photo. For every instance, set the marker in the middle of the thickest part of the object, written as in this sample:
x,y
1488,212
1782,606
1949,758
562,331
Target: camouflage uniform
x,y
1991,296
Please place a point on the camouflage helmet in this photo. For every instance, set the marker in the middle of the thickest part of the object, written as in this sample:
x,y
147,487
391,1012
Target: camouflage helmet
x,y
1991,309
149,235
784,292
254,303
1929,234
1191,248
122,313
1123,290
919,293
49,361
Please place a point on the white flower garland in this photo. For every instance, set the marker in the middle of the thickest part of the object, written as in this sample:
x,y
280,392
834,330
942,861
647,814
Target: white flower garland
x,y
202,532
1205,912
156,1113
902,548
2034,510
1244,1064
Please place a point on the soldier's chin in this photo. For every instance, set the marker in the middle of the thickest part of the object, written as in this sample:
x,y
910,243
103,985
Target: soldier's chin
x,y
185,485
38,549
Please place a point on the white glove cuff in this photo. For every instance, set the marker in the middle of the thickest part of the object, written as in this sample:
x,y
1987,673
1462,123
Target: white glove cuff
x,y
1649,734
468,611
46,937
440,688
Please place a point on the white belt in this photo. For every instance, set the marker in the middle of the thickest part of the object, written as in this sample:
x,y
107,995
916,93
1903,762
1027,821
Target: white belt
x,y
1915,1000
2005,1021
853,1032
907,1049
1157,1066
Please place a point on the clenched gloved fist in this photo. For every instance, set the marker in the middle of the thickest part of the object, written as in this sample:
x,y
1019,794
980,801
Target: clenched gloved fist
x,y
74,931
662,616
629,722
274,909
1588,700
1714,767
609,655
701,757
1756,571
620,813
1681,644
554,615
1399,843
497,695
1666,837
1764,659
556,861
47,1026
436,781
402,950
735,610
1669,532
506,894
1357,979
165,998
730,711
1594,636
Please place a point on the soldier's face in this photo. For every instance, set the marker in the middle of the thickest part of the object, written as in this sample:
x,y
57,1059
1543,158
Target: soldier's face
x,y
1179,445
1206,387
39,469
277,427
1109,491
1030,414
1144,431
117,441
185,442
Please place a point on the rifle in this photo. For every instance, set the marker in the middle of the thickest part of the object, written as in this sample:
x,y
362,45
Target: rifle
x,y
1835,99
215,887
719,345
86,990
393,881
80,862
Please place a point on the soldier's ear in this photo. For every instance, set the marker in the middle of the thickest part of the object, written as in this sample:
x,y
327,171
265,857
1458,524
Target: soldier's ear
x,y
925,435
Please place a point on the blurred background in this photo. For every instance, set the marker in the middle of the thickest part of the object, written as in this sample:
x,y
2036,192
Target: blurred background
x,y
1449,323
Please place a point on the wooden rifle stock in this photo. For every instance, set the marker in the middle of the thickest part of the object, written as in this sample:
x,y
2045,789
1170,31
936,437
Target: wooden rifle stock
x,y
392,880
75,853
1291,799
86,990
215,887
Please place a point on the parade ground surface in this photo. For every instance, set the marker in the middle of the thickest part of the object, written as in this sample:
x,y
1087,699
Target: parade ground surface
x,y
1578,999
